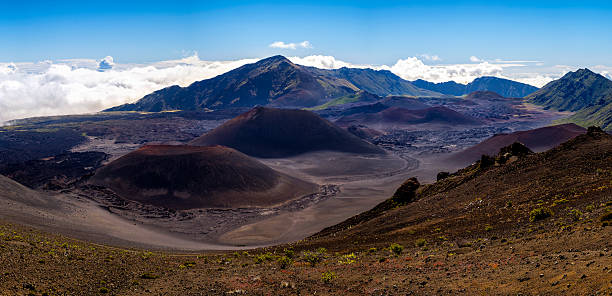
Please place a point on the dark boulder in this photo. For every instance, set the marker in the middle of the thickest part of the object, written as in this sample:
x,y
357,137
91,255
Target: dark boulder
x,y
407,191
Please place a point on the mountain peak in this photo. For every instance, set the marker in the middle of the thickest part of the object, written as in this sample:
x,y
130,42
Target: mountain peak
x,y
574,91
274,59
584,72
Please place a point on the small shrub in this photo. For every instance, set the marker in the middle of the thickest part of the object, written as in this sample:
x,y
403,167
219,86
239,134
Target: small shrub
x,y
540,214
103,290
589,208
328,276
187,264
321,250
289,253
348,259
488,228
148,276
396,249
263,257
560,201
284,262
312,257
576,214
372,250
420,242
509,204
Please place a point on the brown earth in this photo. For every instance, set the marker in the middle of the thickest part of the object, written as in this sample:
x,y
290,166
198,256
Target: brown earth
x,y
538,140
184,177
469,234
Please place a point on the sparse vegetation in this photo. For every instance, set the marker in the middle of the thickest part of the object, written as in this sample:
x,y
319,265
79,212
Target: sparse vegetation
x,y
576,214
540,214
284,262
312,257
421,242
396,249
328,276
348,259
261,258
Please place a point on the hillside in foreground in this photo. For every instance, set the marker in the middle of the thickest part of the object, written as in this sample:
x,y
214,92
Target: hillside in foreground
x,y
521,223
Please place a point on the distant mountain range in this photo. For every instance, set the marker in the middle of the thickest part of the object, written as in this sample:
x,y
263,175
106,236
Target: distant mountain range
x,y
277,82
504,87
583,91
274,81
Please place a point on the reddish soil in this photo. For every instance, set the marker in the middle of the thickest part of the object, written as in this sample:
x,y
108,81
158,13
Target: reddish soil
x,y
184,177
537,140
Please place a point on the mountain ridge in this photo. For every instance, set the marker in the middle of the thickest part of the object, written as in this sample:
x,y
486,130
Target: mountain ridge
x,y
505,87
275,82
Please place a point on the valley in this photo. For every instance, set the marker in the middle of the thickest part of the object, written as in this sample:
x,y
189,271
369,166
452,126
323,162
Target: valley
x,y
277,172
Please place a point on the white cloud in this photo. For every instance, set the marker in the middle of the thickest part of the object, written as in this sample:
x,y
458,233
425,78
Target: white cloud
x,y
69,87
283,45
475,59
106,63
325,62
77,86
428,57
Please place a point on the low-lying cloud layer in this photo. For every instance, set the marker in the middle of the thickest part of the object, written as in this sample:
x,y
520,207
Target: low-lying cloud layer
x,y
87,85
83,86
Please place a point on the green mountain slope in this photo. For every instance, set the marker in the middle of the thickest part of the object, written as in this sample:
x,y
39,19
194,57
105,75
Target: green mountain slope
x,y
574,91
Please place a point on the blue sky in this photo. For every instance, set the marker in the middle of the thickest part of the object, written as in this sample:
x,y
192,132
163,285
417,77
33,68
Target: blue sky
x,y
65,57
555,32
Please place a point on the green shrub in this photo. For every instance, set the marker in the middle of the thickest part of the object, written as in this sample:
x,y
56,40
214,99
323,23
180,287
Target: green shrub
x,y
372,250
540,214
328,276
284,262
348,259
312,257
103,290
396,249
488,228
263,257
576,214
289,253
421,242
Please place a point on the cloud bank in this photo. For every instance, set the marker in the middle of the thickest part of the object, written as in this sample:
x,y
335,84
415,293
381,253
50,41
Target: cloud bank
x,y
78,86
89,85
